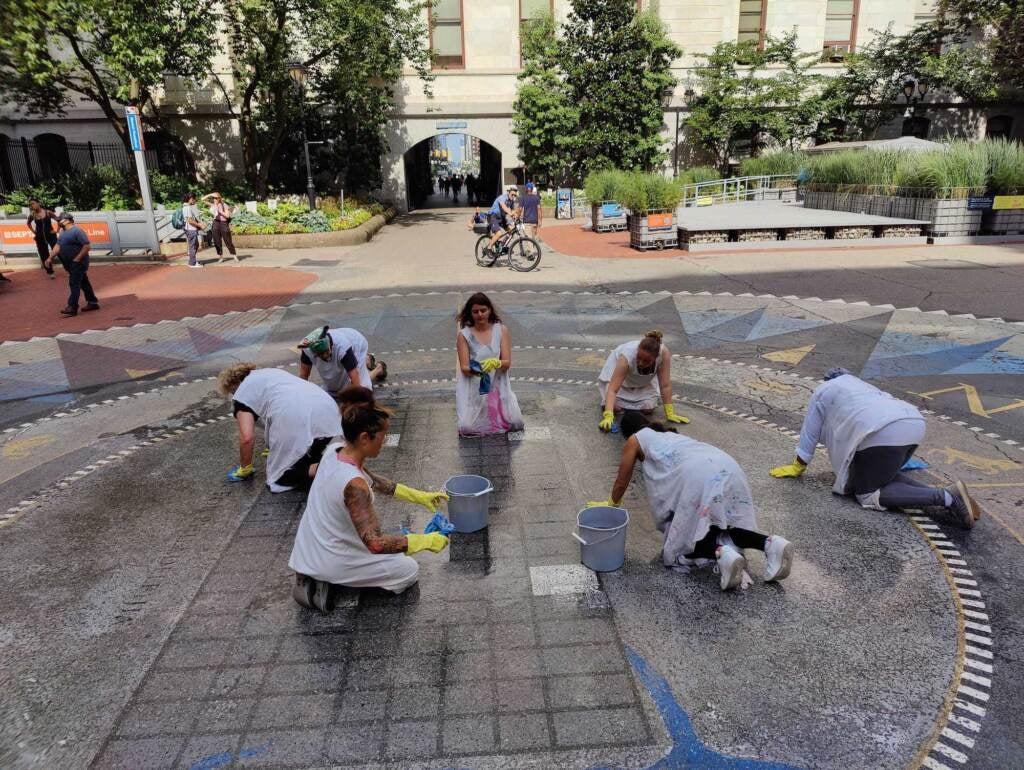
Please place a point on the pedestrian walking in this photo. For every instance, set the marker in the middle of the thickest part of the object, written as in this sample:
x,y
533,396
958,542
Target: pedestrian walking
x,y
41,222
456,186
221,213
72,250
530,204
193,228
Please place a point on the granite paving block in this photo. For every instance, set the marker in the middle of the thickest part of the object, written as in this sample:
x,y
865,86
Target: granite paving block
x,y
523,731
306,677
209,624
415,669
560,632
354,743
468,638
584,659
590,690
598,727
374,644
517,663
469,698
424,639
146,719
177,685
562,579
468,665
469,735
511,635
208,749
292,710
252,651
418,702
361,705
412,740
367,674
283,747
520,694
227,714
238,682
193,654
139,754
310,648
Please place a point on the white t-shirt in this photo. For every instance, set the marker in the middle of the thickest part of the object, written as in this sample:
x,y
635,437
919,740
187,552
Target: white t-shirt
x,y
190,211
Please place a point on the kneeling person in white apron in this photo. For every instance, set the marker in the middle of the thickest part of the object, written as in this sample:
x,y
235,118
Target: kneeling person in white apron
x,y
342,359
340,540
627,380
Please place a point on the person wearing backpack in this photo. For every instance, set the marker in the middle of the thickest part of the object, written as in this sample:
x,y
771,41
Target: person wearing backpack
x,y
187,218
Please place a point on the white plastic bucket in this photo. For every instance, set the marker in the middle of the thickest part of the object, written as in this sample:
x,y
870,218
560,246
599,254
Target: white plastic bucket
x,y
469,497
602,537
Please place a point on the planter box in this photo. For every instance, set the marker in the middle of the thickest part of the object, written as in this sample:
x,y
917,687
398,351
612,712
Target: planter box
x,y
1003,222
607,216
948,217
654,230
853,233
806,234
356,235
757,235
703,236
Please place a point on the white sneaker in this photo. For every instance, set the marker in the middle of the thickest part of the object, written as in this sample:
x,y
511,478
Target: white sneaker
x,y
197,264
778,558
730,566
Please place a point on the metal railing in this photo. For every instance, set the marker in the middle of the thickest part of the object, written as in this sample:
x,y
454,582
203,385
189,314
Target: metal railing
x,y
738,188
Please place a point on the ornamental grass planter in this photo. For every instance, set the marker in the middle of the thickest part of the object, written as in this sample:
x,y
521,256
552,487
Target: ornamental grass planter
x,y
653,230
1003,222
607,216
949,217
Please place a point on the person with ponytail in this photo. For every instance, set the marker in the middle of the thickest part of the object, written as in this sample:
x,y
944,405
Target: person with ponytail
x,y
340,540
627,380
700,501
300,420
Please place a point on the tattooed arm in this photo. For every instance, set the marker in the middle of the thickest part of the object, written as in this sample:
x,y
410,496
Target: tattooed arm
x,y
357,501
381,484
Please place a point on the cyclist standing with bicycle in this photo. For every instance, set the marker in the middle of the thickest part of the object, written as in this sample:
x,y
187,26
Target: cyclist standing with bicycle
x,y
504,206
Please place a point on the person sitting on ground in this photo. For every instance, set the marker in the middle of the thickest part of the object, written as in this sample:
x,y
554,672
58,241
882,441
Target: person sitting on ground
x,y
700,501
479,218
340,540
502,211
300,420
484,401
341,358
626,381
870,435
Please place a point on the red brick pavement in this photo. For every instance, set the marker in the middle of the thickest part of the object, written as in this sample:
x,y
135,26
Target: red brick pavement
x,y
574,240
129,294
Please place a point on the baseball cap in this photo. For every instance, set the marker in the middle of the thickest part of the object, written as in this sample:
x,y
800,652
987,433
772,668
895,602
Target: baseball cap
x,y
531,186
65,217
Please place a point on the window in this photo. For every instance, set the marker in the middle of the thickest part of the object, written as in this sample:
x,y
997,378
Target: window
x,y
752,16
446,39
530,9
840,28
998,127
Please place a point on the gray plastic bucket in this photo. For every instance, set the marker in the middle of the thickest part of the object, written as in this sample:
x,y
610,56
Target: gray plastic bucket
x,y
602,537
468,500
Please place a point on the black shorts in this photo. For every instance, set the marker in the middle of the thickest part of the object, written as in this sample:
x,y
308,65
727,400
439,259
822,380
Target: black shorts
x,y
298,475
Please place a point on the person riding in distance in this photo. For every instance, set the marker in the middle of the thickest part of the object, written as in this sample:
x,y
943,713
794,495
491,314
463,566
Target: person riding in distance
x,y
503,208
870,435
340,540
700,501
341,357
626,381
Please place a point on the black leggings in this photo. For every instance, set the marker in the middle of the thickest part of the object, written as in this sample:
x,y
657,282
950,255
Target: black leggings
x,y
878,468
298,474
43,247
743,538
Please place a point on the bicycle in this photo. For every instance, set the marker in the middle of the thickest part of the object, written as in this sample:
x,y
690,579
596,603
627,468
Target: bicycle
x,y
523,252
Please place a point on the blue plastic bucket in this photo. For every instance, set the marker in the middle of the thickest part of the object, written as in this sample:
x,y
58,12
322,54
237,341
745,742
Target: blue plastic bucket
x,y
469,497
602,536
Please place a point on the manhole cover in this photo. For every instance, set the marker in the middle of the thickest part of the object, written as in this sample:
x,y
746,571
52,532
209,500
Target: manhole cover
x,y
316,263
948,264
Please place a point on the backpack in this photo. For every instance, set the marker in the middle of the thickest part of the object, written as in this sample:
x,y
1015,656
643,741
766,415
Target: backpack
x,y
178,219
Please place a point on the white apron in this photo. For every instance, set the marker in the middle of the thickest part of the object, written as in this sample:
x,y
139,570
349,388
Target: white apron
x,y
639,392
851,411
496,412
690,486
294,413
335,378
328,547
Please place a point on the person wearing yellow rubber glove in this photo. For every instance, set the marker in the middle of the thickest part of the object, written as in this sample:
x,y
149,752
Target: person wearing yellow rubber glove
x,y
240,472
700,501
870,435
340,540
609,503
627,380
490,364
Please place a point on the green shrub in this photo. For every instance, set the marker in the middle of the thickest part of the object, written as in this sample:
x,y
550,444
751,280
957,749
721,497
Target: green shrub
x,y
774,163
233,190
1005,162
314,222
351,219
605,185
642,192
169,190
247,223
44,192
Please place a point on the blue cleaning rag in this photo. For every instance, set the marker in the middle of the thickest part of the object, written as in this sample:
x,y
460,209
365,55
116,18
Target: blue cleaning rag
x,y
485,379
914,464
439,523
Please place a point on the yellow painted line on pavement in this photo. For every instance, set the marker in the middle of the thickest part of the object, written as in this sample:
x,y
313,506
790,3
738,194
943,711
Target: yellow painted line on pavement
x,y
21,448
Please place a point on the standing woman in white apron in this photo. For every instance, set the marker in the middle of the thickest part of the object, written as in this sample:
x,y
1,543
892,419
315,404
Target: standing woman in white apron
x,y
299,418
341,357
484,401
340,540
700,501
627,380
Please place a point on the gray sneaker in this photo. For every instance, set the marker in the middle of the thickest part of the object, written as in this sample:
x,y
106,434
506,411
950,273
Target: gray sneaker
x,y
730,566
322,597
302,591
964,506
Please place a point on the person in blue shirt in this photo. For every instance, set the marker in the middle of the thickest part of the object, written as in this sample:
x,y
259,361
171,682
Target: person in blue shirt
x,y
72,249
504,206
531,210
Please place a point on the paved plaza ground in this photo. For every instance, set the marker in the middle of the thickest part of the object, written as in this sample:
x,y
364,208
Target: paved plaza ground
x,y
146,619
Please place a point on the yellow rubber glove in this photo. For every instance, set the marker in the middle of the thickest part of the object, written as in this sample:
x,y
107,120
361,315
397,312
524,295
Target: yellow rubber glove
x,y
239,473
435,542
606,421
791,471
490,364
429,500
609,503
671,416
265,453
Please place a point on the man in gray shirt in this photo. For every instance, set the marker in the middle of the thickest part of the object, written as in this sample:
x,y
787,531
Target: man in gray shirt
x,y
72,250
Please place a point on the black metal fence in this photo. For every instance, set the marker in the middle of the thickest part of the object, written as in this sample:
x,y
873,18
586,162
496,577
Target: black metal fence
x,y
24,162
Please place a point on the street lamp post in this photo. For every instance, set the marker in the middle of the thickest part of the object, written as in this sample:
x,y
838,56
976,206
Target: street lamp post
x,y
298,73
908,93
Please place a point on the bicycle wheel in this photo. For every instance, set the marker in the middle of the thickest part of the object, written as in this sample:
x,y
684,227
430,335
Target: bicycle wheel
x,y
524,255
482,259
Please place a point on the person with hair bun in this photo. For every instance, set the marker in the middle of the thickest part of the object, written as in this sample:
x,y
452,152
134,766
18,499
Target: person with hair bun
x,y
700,501
484,401
627,380
340,540
300,420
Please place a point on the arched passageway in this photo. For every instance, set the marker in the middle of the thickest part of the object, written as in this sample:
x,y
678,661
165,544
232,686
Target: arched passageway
x,y
451,170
